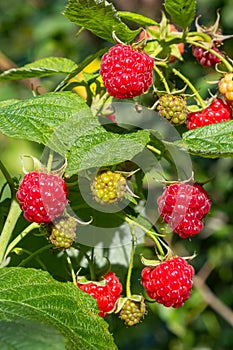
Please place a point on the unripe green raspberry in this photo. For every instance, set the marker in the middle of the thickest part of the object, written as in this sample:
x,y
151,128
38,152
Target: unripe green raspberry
x,y
132,312
108,187
173,108
63,232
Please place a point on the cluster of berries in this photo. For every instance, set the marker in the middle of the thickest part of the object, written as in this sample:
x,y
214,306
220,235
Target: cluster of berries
x,y
183,206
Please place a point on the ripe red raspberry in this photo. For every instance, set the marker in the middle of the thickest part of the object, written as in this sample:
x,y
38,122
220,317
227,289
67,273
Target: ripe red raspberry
x,y
169,283
183,207
216,112
42,197
126,72
206,58
173,108
106,292
62,232
225,87
108,187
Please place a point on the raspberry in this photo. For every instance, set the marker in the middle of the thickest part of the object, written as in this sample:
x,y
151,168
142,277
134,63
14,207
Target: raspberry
x,y
106,292
216,112
183,207
126,72
169,283
204,57
225,86
42,197
132,312
63,232
173,108
108,187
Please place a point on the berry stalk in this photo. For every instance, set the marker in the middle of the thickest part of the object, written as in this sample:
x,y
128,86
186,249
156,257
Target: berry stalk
x,y
8,178
23,234
162,78
190,85
128,279
8,228
149,233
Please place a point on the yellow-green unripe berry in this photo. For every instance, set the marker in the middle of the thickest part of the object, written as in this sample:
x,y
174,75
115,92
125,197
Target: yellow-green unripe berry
x,y
108,187
63,232
132,312
173,108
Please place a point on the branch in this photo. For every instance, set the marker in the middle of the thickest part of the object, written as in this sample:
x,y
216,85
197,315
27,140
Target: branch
x,y
210,298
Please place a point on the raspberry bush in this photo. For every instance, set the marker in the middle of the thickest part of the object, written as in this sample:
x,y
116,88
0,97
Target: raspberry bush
x,y
107,225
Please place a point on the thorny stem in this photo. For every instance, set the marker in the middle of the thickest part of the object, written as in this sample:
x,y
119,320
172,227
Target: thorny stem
x,y
23,234
8,228
223,60
160,74
149,233
197,95
71,269
128,280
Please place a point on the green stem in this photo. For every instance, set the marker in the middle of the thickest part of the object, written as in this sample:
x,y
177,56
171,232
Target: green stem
x,y
50,161
194,90
8,178
128,280
149,233
153,149
91,265
28,229
217,54
34,254
8,228
160,74
71,269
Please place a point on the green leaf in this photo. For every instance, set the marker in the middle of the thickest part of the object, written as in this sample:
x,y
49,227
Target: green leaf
x,y
212,141
33,295
40,68
182,12
100,148
27,335
137,18
100,17
38,118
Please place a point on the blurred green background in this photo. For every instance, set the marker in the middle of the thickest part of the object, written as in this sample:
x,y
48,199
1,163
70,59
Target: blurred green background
x,y
34,29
